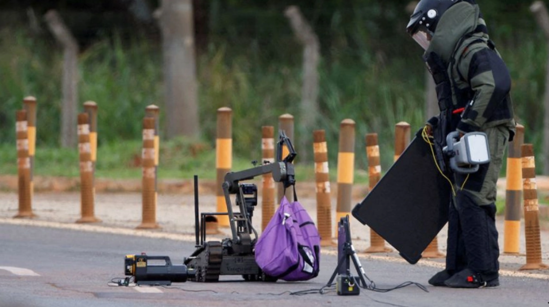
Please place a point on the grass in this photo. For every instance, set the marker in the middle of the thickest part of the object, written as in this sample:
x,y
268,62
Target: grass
x,y
179,159
124,76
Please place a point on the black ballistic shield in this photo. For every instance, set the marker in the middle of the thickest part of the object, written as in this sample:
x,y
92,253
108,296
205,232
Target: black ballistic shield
x,y
409,205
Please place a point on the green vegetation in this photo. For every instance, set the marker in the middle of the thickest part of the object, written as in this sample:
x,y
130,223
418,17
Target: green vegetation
x,y
369,72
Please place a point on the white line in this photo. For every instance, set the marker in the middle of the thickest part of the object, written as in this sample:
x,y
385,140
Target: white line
x,y
19,271
147,289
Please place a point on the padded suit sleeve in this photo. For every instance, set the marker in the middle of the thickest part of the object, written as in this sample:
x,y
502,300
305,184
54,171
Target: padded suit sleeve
x,y
490,80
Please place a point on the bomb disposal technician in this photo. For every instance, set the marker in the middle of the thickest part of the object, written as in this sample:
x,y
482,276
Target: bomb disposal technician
x,y
472,84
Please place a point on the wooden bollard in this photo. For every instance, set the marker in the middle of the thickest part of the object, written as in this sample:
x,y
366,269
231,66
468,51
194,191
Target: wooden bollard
x,y
90,107
345,168
87,197
286,124
513,194
531,210
268,191
154,112
224,154
377,243
322,188
23,166
29,105
148,193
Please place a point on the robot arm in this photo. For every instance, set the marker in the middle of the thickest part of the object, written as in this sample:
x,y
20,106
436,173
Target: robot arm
x,y
282,170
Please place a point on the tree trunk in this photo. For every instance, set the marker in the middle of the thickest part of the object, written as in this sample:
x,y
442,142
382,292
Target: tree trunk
x,y
540,12
176,20
70,77
309,91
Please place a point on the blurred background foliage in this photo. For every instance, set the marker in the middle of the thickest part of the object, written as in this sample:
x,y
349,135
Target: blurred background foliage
x,y
249,60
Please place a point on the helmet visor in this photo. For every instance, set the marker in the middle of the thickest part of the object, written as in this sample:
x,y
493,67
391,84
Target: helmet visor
x,y
423,38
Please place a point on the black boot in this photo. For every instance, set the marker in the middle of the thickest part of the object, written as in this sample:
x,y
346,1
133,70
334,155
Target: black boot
x,y
469,279
439,278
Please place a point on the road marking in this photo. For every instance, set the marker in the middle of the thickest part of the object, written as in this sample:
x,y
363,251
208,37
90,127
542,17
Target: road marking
x,y
19,271
147,289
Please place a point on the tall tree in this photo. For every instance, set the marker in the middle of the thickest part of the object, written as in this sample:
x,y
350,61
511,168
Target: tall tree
x,y
542,17
176,21
70,77
309,90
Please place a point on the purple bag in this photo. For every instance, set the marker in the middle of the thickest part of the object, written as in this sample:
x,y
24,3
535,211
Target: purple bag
x,y
289,248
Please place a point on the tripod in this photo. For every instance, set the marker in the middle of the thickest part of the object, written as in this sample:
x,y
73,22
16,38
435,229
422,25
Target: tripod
x,y
346,252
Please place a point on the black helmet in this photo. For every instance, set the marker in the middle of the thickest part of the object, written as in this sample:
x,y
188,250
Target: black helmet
x,y
425,19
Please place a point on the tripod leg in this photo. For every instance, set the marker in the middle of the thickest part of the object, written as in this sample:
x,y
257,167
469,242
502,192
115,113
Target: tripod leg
x,y
339,265
358,268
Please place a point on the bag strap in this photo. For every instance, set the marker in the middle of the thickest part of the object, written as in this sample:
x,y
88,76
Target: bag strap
x,y
295,194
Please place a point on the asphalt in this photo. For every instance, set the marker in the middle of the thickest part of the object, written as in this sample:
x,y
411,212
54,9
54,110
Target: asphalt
x,y
121,213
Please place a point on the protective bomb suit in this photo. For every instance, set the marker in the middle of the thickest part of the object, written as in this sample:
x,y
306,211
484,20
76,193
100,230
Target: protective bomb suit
x,y
473,85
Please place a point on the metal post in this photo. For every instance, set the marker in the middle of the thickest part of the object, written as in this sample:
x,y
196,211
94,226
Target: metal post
x,y
148,192
224,154
23,166
286,124
87,197
531,211
323,193
345,168
377,243
268,191
513,194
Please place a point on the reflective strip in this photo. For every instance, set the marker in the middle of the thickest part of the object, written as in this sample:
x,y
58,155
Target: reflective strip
x,y
156,149
528,162
23,144
345,169
31,136
93,144
529,184
531,205
23,163
512,237
84,148
321,167
86,166
374,170
267,143
149,172
224,150
323,187
222,220
147,153
21,126
372,151
83,129
320,147
148,134
514,174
